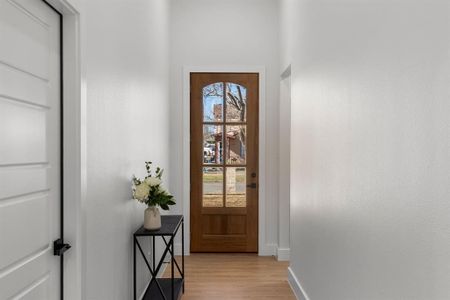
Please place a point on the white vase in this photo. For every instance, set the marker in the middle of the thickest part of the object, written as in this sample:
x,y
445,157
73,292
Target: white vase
x,y
152,218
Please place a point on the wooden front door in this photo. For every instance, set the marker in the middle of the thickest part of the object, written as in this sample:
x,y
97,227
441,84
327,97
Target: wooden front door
x,y
224,162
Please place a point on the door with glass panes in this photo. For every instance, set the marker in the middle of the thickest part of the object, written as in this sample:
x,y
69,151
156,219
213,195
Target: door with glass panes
x,y
224,162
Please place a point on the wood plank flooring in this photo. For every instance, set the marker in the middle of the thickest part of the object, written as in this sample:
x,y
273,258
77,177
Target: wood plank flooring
x,y
235,277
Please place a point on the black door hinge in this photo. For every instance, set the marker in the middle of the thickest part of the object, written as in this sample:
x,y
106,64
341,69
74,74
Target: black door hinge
x,y
59,247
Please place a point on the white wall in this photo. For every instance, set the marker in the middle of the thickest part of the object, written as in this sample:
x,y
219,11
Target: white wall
x,y
371,149
287,17
284,174
227,33
127,123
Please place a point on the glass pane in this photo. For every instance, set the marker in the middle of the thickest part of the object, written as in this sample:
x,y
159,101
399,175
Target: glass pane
x,y
236,97
212,187
235,144
213,102
212,144
236,189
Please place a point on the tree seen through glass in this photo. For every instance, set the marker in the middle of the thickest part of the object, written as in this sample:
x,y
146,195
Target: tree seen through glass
x,y
224,135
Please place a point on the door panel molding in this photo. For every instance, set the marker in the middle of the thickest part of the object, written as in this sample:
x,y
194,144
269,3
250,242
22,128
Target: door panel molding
x,y
32,131
264,248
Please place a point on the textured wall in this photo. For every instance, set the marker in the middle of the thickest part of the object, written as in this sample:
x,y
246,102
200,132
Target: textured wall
x,y
127,124
370,156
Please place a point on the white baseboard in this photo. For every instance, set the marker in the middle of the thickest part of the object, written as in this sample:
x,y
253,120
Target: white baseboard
x,y
143,292
268,250
296,287
283,254
162,270
178,249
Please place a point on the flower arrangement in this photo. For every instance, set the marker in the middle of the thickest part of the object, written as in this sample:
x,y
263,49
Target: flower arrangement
x,y
150,190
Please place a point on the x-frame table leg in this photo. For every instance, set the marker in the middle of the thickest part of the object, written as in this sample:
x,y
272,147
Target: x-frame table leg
x,y
152,271
172,254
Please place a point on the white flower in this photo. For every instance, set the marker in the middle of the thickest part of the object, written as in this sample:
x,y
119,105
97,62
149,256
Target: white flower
x,y
152,181
141,191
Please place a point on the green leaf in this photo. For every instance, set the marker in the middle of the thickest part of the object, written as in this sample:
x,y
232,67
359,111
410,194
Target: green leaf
x,y
171,202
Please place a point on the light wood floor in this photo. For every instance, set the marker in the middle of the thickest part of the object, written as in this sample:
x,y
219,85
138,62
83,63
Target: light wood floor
x,y
235,276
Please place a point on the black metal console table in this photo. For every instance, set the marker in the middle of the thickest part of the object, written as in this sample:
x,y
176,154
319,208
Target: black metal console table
x,y
162,288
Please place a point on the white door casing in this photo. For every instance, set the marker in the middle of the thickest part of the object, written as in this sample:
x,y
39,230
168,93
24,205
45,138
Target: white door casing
x,y
264,248
30,122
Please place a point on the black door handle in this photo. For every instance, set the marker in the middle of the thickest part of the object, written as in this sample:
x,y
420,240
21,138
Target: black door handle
x,y
59,247
252,185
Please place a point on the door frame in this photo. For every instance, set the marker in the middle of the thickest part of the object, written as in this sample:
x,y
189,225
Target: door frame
x,y
74,147
263,248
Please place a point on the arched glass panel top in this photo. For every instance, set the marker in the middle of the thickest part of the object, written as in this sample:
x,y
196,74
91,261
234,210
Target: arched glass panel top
x,y
235,97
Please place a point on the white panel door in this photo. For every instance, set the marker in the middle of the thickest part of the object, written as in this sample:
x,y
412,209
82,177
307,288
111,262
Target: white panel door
x,y
30,190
